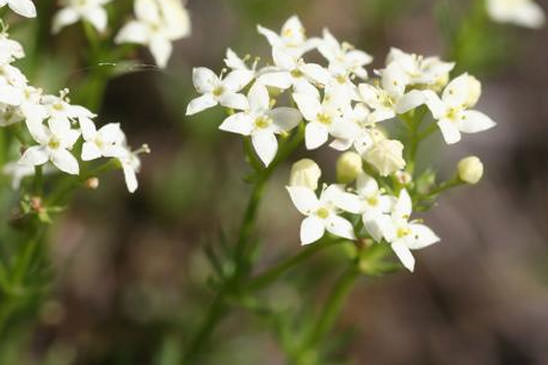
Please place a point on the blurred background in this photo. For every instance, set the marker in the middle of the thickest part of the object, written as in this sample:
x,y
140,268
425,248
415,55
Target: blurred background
x,y
130,272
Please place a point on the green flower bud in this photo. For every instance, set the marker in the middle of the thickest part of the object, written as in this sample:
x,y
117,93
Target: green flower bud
x,y
349,166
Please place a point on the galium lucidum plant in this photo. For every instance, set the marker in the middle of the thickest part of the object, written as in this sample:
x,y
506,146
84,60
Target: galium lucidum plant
x,y
341,105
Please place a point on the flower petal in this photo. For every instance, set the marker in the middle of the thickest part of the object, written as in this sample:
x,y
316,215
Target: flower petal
x,y
312,229
240,123
474,122
266,146
65,161
449,130
64,17
285,118
234,101
303,198
404,254
340,227
34,156
422,236
315,135
200,103
204,80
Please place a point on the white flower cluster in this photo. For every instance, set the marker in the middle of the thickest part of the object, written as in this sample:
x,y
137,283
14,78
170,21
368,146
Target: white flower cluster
x,y
158,23
342,106
55,125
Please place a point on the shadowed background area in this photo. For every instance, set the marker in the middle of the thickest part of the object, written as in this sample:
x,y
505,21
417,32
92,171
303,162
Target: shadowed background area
x,y
130,270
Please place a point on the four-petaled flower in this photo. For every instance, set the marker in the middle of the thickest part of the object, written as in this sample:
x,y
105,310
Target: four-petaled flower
x,y
452,110
88,10
55,141
216,90
262,123
321,213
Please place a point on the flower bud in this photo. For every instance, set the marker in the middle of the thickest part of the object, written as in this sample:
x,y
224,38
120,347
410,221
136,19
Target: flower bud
x,y
305,173
92,183
386,156
470,170
349,166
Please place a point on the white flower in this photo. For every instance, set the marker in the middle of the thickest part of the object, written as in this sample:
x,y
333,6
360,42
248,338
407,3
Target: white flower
x,y
158,23
22,7
370,201
344,55
324,117
10,50
391,98
402,234
88,10
289,71
59,107
292,38
234,62
305,172
105,142
452,109
262,123
216,90
321,214
526,13
386,155
55,141
429,71
363,133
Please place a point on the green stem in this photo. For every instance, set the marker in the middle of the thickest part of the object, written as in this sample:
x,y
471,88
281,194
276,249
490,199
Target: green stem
x,y
38,180
219,308
330,312
215,313
443,187
272,274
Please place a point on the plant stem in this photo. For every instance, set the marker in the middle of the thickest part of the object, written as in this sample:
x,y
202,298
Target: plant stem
x,y
215,313
330,312
219,307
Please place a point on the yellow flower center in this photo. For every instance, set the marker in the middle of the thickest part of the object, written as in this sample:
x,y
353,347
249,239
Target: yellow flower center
x,y
322,213
218,91
373,201
54,143
263,122
324,118
296,73
402,232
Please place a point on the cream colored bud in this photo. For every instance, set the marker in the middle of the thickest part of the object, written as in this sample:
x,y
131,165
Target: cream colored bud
x,y
386,156
470,170
349,166
92,183
474,92
305,173
403,177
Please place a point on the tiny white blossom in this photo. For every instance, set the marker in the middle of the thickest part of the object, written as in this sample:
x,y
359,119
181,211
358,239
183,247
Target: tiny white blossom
x,y
22,7
292,38
452,110
55,141
92,11
105,142
391,97
262,123
526,13
289,71
131,164
158,23
10,50
324,117
402,234
59,107
321,214
344,55
216,90
429,71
